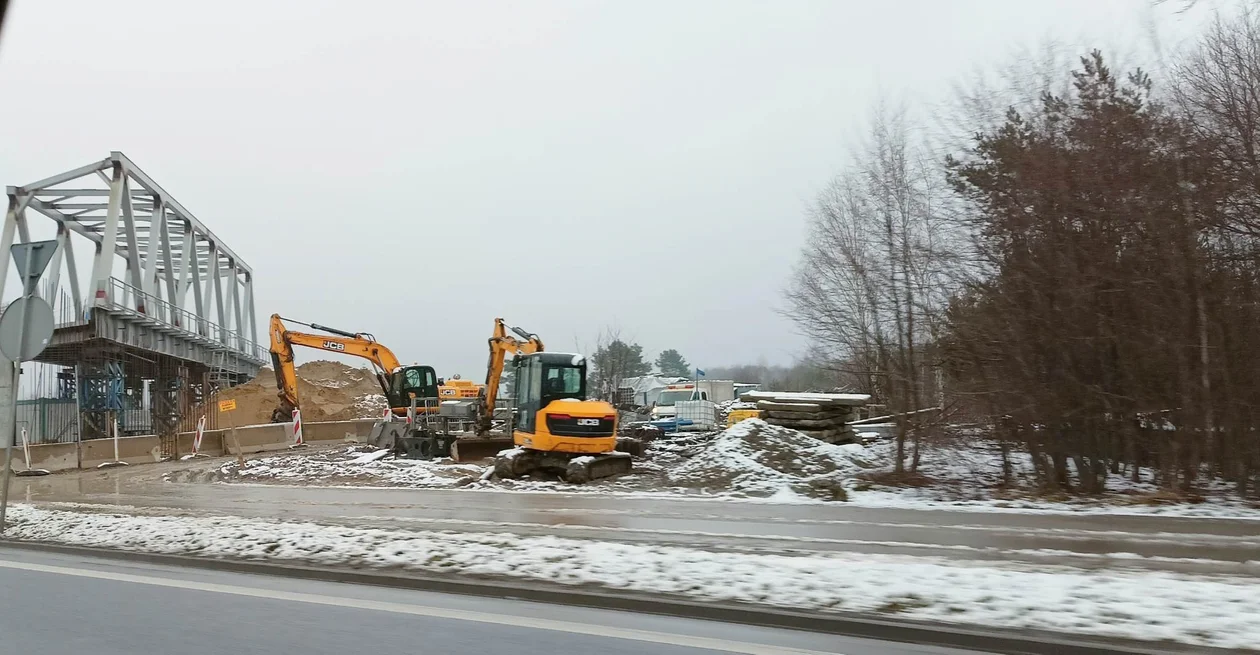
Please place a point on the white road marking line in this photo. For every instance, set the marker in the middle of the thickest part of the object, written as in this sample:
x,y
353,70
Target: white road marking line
x,y
422,610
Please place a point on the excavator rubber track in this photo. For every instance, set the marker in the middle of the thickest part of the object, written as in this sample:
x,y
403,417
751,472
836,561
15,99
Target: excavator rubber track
x,y
576,469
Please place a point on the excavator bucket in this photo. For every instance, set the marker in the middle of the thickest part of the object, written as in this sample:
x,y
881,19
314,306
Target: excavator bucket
x,y
474,449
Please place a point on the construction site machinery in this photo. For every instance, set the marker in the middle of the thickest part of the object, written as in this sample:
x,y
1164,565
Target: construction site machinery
x,y
400,384
430,429
503,344
554,427
454,388
440,431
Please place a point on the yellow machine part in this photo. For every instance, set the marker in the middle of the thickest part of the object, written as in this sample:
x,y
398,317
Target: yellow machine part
x,y
542,438
460,389
738,415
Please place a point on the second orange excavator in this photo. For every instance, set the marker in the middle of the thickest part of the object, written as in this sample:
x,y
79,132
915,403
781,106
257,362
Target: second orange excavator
x,y
399,383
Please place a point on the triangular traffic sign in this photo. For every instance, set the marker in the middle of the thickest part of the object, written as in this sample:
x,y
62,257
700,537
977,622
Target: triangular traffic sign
x,y
34,255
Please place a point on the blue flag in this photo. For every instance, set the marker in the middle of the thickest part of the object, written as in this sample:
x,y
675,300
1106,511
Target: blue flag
x,y
699,373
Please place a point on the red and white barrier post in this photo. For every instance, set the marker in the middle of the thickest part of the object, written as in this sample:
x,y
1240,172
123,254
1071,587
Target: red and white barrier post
x,y
201,432
298,442
198,433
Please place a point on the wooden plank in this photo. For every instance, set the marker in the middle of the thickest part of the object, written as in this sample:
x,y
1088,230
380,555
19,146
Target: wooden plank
x,y
789,407
809,416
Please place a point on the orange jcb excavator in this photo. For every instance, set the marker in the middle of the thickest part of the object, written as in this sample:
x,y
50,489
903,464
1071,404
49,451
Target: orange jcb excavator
x,y
399,383
554,427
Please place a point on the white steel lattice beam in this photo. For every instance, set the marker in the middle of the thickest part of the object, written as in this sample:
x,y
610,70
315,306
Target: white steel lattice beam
x,y
72,269
238,325
134,276
151,254
103,266
229,298
168,272
249,305
53,278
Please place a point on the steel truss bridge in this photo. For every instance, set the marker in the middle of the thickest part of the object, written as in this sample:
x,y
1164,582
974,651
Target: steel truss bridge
x,y
152,308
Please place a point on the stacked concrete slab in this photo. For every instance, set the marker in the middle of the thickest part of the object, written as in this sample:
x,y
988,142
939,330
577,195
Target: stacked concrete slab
x,y
825,416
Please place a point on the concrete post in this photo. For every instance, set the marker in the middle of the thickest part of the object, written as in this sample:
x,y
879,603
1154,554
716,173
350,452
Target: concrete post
x,y
8,429
8,417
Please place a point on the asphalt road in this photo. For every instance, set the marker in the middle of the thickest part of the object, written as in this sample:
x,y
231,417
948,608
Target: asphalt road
x,y
71,604
1191,545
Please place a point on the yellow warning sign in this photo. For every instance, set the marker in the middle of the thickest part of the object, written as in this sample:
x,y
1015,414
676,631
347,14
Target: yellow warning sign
x,y
227,405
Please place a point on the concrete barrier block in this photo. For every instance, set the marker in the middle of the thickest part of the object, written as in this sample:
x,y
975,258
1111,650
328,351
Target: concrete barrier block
x,y
211,443
52,457
357,430
133,450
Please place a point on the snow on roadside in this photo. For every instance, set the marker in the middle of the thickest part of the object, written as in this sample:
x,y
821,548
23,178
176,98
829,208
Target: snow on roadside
x,y
1196,609
967,477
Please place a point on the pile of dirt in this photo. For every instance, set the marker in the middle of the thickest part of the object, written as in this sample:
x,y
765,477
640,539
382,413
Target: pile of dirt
x,y
755,458
327,391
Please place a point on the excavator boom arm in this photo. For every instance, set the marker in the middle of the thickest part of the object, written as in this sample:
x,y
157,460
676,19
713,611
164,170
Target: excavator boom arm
x,y
283,340
502,343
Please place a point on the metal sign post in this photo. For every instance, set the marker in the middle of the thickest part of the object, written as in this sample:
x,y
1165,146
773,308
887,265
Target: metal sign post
x,y
25,330
112,419
227,407
26,458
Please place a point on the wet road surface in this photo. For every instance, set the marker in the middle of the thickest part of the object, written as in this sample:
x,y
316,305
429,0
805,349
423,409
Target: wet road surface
x,y
1184,544
123,608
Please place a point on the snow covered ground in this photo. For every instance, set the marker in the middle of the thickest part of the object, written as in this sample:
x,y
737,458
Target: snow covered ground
x,y
757,462
967,476
753,460
1196,609
355,465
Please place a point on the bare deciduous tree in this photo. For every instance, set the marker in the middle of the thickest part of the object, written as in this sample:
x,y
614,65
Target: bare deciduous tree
x,y
870,285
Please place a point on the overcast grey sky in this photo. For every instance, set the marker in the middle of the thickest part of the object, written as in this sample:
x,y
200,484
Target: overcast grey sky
x,y
415,169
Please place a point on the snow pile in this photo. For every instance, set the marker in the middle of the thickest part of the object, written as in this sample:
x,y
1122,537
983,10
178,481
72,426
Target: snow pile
x,y
371,405
755,458
731,405
369,457
1202,610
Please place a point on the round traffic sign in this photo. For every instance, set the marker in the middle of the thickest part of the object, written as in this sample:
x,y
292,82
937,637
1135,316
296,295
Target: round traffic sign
x,y
26,327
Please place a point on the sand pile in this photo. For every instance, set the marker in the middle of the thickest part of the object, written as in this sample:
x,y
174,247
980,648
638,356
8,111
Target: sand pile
x,y
755,458
327,391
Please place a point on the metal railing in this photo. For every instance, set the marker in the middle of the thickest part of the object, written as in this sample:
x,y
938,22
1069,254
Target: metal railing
x,y
126,299
48,420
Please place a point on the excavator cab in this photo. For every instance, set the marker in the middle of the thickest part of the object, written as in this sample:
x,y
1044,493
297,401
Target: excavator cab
x,y
545,377
552,411
409,382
